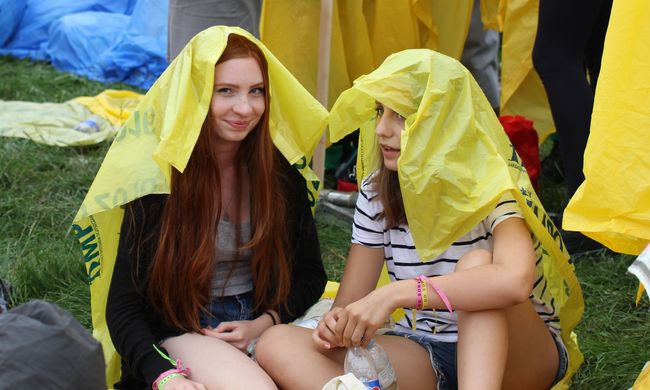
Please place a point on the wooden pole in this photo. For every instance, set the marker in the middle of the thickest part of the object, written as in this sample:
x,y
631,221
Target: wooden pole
x,y
322,78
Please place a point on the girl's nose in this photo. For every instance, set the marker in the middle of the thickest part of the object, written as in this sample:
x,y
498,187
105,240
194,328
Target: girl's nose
x,y
382,126
243,106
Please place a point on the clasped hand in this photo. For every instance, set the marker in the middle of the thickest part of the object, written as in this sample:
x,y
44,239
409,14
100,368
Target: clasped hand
x,y
352,325
237,333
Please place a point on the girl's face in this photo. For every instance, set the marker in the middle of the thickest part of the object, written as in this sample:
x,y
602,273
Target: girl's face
x,y
237,99
389,129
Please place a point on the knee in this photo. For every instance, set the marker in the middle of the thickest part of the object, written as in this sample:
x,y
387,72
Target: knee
x,y
474,258
271,345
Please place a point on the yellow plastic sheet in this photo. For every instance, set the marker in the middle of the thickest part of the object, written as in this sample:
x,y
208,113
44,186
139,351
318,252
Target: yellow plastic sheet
x,y
612,205
451,23
639,293
643,381
160,134
57,124
522,91
492,13
364,33
80,121
640,268
456,162
114,105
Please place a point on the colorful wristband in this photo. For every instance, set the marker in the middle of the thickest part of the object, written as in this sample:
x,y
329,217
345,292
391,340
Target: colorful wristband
x,y
425,296
418,301
422,300
438,291
169,374
159,384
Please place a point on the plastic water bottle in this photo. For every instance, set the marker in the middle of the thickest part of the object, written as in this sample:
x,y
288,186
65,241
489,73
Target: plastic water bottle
x,y
314,314
250,349
385,370
309,323
359,362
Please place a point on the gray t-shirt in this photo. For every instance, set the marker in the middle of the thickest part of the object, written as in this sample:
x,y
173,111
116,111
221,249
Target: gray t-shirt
x,y
240,279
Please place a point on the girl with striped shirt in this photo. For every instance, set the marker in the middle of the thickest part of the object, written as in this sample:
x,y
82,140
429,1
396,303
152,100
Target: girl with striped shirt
x,y
479,312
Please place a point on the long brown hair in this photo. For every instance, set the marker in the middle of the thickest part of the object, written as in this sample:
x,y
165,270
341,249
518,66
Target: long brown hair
x,y
386,183
180,278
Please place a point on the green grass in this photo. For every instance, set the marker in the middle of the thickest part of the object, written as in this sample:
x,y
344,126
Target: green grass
x,y
42,186
334,236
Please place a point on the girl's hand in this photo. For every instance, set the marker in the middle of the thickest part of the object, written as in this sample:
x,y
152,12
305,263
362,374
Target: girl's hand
x,y
359,321
182,383
239,333
324,336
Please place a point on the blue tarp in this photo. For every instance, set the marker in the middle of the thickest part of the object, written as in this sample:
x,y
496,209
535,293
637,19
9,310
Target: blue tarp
x,y
117,40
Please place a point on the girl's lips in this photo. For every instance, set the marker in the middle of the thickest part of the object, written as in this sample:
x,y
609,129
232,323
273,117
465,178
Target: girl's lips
x,y
238,124
387,150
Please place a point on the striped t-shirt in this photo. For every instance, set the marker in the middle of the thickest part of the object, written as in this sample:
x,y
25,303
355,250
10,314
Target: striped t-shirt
x,y
402,261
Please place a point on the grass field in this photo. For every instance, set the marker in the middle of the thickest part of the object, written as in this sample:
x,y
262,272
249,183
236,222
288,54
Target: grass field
x,y
42,186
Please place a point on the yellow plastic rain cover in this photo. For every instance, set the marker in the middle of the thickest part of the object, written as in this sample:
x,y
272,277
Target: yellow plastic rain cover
x,y
612,205
522,91
492,14
364,33
456,161
161,134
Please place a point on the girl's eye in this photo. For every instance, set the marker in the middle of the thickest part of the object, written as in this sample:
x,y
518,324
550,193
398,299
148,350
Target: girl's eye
x,y
379,110
224,90
400,117
258,91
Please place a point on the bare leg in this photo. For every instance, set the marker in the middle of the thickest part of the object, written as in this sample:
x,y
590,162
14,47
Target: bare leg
x,y
482,338
217,364
533,358
510,348
288,354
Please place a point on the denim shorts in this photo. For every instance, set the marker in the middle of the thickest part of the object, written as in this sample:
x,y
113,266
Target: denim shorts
x,y
442,355
443,358
230,308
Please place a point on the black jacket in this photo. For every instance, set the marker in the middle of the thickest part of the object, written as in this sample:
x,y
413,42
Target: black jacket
x,y
133,324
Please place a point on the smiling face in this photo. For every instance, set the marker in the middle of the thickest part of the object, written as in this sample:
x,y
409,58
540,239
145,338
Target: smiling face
x,y
237,99
389,129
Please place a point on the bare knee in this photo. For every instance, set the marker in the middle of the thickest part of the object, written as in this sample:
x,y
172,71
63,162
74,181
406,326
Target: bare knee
x,y
272,342
474,258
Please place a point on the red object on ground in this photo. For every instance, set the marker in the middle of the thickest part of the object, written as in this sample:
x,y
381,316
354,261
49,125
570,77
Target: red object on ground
x,y
346,186
524,138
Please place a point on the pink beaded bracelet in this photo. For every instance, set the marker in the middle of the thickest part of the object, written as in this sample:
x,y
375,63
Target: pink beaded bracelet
x,y
418,302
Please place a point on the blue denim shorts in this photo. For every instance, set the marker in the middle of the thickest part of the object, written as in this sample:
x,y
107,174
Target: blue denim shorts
x,y
443,358
230,308
442,355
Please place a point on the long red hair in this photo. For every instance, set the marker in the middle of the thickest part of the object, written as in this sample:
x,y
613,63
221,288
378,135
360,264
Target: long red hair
x,y
180,277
